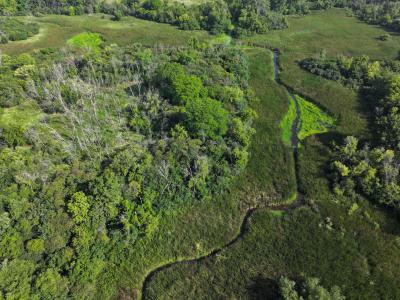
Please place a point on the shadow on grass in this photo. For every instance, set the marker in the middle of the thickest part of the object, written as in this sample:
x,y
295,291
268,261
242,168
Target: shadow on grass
x,y
263,289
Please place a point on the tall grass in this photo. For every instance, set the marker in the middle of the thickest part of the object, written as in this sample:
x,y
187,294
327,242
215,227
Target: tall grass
x,y
312,119
357,252
287,123
57,30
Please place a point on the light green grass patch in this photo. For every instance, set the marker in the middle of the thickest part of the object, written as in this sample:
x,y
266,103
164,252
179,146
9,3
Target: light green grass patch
x,y
312,119
277,213
86,40
221,39
22,116
286,123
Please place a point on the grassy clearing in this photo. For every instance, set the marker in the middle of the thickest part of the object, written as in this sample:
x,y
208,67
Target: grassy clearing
x,y
357,251
337,34
287,122
86,40
296,244
56,30
312,119
271,161
23,116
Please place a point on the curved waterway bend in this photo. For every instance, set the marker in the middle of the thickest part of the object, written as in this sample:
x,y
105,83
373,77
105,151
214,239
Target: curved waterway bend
x,y
244,225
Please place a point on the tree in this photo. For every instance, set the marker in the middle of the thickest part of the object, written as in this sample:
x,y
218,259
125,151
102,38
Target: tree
x,y
15,279
35,246
372,172
8,7
51,285
288,289
206,118
311,289
79,207
178,85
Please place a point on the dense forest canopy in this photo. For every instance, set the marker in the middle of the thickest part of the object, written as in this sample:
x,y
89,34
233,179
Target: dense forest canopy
x,y
96,145
101,143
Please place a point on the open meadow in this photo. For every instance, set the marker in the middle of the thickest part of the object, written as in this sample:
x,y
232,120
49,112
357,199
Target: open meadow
x,y
56,30
334,33
353,247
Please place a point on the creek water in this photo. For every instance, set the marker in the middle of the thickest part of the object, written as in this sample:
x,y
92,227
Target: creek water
x,y
249,212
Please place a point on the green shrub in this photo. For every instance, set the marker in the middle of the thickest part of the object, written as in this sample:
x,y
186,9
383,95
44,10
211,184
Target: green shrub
x,y
385,37
15,30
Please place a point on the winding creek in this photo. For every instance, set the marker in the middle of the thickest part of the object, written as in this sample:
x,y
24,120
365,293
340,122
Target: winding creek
x,y
244,225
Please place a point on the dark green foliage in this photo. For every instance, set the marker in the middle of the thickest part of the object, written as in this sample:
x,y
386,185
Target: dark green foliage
x,y
15,30
109,142
206,117
351,71
222,16
216,17
387,119
384,13
311,289
372,172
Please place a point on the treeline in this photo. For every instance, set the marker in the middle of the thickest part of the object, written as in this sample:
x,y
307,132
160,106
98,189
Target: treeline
x,y
353,72
385,13
234,17
310,289
96,146
371,168
15,30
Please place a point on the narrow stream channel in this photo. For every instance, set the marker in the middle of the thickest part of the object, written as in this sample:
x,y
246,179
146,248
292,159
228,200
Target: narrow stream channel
x,y
296,122
244,225
295,127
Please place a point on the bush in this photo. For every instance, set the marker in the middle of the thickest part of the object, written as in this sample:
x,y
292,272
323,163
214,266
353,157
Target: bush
x,y
385,37
15,30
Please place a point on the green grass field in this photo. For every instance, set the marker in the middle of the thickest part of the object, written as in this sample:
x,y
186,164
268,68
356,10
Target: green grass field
x,y
337,34
57,30
356,251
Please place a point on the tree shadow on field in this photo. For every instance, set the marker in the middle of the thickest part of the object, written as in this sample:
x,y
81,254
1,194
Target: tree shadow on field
x,y
263,288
